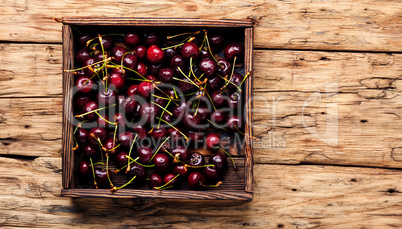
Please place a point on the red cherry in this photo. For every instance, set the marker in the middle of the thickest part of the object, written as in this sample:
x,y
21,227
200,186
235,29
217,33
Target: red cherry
x,y
155,55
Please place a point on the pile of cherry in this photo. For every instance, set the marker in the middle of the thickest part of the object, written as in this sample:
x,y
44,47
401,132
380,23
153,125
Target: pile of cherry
x,y
144,103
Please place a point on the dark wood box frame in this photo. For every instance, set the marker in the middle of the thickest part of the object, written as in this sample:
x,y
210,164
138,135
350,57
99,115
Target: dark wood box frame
x,y
67,132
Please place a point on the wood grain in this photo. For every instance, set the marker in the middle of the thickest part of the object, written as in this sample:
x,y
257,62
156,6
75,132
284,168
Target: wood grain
x,y
368,98
29,70
288,196
324,25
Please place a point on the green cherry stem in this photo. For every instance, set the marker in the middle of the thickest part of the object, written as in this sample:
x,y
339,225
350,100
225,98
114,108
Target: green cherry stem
x,y
157,150
234,163
93,172
114,189
129,153
174,128
96,110
107,171
163,186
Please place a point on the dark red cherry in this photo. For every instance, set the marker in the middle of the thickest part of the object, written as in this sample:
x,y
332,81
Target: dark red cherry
x,y
214,83
141,52
132,39
126,139
145,88
107,43
154,69
110,145
90,151
171,179
180,169
149,111
145,153
169,53
155,180
81,135
141,131
119,118
142,69
166,75
219,99
159,133
88,107
211,173
138,171
161,102
236,79
130,105
90,62
204,112
130,60
218,117
83,40
82,55
175,62
151,78
224,67
132,90
117,80
118,53
196,159
208,66
121,159
234,123
186,86
174,133
232,50
101,177
234,100
195,136
184,155
84,169
167,117
212,141
162,162
118,70
95,133
204,52
79,101
219,160
106,97
84,85
196,180
98,57
190,49
155,55
216,41
191,121
151,38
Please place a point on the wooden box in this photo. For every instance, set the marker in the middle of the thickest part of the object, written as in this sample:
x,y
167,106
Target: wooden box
x,y
236,186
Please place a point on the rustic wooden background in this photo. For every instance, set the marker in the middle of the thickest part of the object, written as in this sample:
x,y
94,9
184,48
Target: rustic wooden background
x,y
301,180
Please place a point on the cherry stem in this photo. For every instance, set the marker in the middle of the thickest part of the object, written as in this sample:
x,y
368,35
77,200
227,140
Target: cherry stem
x,y
181,34
93,172
136,161
244,79
173,46
209,49
192,82
124,185
112,123
96,110
234,163
158,149
167,183
164,109
107,171
77,69
199,166
216,125
126,68
174,128
129,152
76,144
123,59
226,80
160,118
231,75
212,186
210,99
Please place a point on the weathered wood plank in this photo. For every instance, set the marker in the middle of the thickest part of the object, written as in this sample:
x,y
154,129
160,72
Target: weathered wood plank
x,y
28,70
284,196
30,126
353,25
325,107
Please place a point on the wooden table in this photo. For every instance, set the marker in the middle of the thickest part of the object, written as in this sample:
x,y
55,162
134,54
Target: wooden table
x,y
328,107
